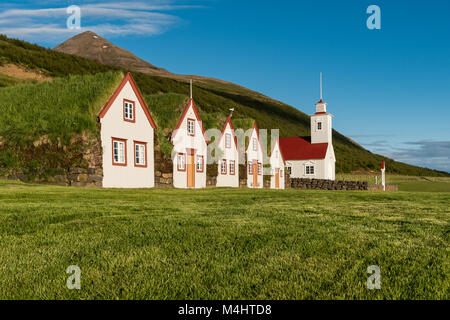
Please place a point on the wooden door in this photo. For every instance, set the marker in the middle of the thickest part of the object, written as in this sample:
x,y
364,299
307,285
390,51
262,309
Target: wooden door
x,y
277,178
190,171
255,174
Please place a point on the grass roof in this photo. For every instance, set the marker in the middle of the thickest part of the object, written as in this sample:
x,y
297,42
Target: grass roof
x,y
55,109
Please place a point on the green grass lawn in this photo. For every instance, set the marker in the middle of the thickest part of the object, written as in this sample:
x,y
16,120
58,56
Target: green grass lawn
x,y
222,243
405,183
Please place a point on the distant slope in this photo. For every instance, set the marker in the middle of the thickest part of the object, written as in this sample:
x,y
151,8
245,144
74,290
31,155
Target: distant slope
x,y
214,98
91,46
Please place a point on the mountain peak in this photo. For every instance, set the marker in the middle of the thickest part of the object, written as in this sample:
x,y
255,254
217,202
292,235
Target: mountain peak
x,y
90,45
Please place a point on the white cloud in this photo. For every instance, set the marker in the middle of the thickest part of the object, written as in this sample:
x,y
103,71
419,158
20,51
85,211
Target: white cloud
x,y
120,18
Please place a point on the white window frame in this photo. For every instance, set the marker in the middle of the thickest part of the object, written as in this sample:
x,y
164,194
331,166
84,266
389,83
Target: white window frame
x,y
140,154
119,157
227,140
191,127
128,111
181,162
223,166
199,164
232,167
255,144
309,170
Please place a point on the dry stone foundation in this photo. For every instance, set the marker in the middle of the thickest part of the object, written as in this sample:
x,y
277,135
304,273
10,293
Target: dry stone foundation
x,y
320,184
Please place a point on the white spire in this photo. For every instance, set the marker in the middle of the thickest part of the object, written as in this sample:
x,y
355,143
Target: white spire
x,y
190,82
321,86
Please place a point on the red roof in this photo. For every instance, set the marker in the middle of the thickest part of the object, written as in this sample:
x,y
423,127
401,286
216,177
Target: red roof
x,y
128,77
298,148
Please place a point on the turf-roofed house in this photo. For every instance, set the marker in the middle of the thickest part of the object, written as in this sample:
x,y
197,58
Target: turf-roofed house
x,y
228,168
84,130
127,138
255,160
277,164
190,149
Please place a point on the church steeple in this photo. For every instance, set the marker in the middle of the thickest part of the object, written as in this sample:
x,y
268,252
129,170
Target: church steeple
x,y
321,107
321,130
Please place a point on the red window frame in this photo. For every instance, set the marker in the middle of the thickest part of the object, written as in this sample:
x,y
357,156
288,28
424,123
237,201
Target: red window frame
x,y
234,167
221,166
124,151
255,144
187,126
134,110
145,157
178,162
227,139
203,164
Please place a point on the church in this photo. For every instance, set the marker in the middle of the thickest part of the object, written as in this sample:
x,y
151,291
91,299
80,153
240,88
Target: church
x,y
312,157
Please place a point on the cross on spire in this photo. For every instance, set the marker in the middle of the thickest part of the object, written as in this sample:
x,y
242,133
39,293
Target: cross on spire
x,y
190,83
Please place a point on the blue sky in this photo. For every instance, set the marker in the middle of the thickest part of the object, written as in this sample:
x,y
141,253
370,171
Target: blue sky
x,y
388,89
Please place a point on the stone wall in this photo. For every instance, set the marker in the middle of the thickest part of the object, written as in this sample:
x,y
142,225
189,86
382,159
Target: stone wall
x,y
163,180
92,175
86,173
320,184
211,181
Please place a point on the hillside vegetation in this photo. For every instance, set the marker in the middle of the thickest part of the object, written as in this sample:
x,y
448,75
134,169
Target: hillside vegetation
x,y
40,121
214,98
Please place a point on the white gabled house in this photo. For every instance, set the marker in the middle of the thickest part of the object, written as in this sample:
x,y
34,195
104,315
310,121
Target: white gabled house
x,y
312,157
189,150
255,160
228,165
277,167
127,133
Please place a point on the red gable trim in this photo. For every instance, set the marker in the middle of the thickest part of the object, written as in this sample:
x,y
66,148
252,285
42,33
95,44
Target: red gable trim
x,y
128,78
232,131
197,115
255,127
297,148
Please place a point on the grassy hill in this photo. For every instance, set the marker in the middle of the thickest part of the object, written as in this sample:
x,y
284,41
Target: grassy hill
x,y
166,98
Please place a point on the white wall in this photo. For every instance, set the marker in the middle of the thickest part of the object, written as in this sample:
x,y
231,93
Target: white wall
x,y
254,156
323,168
182,141
113,125
276,162
325,134
330,164
228,180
